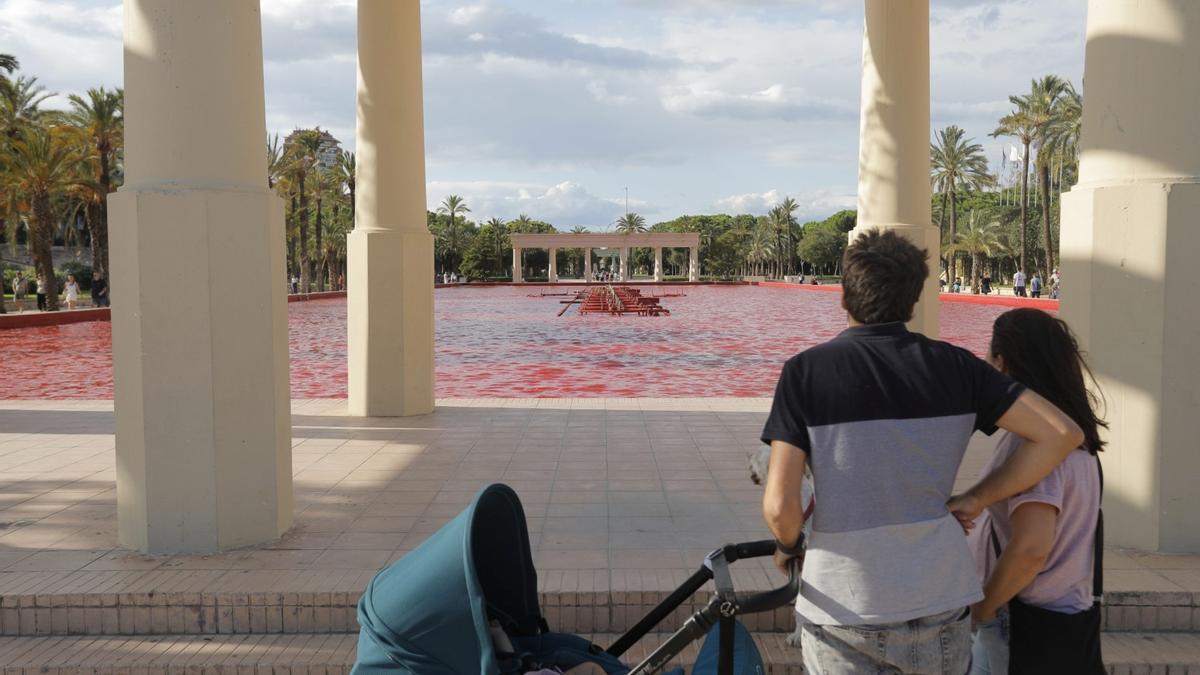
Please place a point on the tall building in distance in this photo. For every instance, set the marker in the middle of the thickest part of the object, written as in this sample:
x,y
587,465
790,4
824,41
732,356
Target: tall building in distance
x,y
330,147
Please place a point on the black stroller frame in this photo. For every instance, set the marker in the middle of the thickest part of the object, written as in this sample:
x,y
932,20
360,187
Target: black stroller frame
x,y
721,610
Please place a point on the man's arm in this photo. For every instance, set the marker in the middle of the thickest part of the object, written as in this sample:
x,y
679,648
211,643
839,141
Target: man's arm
x,y
783,508
1049,437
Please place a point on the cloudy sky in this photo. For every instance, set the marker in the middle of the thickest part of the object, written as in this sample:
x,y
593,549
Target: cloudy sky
x,y
553,108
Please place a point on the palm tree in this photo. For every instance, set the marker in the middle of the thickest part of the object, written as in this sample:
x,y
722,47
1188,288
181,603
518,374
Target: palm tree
x,y
1040,106
324,183
957,164
762,245
43,163
100,119
631,223
979,238
276,161
20,102
9,63
303,151
786,210
452,236
347,168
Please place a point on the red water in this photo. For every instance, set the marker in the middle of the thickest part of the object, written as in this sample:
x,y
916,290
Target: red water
x,y
499,342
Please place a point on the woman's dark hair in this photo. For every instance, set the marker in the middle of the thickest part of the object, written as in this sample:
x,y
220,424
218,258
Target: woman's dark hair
x,y
1041,352
882,277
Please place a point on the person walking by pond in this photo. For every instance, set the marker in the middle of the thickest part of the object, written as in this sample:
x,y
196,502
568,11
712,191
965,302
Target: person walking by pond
x,y
99,291
1035,286
1040,551
985,285
888,578
20,290
41,293
1019,284
71,290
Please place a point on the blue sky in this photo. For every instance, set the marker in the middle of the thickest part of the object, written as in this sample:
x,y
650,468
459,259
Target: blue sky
x,y
554,108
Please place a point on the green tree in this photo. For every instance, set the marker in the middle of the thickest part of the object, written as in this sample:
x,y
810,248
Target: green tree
x,y
1040,106
347,169
100,120
958,164
980,238
453,235
823,245
1022,124
9,63
303,151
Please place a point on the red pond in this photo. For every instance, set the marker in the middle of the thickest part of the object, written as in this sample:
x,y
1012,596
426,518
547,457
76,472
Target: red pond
x,y
501,342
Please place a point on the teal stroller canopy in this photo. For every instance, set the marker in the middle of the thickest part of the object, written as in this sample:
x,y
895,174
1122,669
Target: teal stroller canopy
x,y
428,612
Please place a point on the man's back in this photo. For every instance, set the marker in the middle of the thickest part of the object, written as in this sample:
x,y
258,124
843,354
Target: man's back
x,y
884,416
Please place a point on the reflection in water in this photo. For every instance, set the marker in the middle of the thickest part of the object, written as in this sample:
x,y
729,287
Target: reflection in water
x,y
500,342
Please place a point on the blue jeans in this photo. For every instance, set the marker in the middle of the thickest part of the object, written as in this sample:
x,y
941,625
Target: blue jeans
x,y
932,645
989,653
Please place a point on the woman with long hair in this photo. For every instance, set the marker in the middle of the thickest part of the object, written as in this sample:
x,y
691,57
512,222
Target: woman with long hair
x,y
1040,552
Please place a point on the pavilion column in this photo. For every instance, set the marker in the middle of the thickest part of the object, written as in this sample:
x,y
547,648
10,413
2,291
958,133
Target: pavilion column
x,y
624,268
694,264
389,325
893,153
200,352
658,275
587,265
552,271
1129,241
518,273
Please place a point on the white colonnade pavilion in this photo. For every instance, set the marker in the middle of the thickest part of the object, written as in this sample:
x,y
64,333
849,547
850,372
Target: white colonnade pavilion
x,y
622,243
201,386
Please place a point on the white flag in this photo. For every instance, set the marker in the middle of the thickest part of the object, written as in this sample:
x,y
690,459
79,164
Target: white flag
x,y
1015,154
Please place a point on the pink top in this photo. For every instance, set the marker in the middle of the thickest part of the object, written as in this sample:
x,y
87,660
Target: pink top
x,y
1065,583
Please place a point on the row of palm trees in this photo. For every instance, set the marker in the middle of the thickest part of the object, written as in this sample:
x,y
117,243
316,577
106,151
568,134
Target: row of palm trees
x,y
57,168
320,203
1046,120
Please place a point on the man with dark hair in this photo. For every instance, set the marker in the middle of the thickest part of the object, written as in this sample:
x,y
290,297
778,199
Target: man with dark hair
x,y
883,416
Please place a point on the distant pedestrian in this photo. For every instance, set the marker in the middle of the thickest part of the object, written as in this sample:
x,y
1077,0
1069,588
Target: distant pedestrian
x,y
72,291
99,291
985,285
41,293
1035,286
341,282
958,284
20,289
294,284
1019,284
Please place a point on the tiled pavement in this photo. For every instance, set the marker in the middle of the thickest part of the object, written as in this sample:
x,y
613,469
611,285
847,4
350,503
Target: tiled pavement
x,y
623,497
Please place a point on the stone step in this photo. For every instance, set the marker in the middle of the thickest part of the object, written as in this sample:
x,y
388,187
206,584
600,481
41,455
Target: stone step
x,y
245,611
333,654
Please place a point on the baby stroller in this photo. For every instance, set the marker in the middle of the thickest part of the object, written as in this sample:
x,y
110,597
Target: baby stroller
x,y
465,602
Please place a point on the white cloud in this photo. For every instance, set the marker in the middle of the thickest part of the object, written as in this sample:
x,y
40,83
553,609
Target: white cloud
x,y
812,204
563,204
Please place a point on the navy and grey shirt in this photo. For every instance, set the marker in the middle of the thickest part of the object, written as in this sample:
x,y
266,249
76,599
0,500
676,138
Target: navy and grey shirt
x,y
884,416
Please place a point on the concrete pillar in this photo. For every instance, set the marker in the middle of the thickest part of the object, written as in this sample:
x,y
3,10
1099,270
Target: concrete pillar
x,y
389,316
624,266
587,265
203,446
518,273
694,263
553,269
1129,240
893,152
658,275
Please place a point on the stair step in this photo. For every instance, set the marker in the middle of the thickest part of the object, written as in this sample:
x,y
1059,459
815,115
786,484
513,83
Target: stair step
x,y
333,654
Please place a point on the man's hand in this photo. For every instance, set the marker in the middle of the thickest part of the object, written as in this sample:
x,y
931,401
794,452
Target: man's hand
x,y
966,508
783,561
981,614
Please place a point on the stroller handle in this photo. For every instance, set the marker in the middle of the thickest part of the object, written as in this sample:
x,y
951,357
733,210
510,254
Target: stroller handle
x,y
765,601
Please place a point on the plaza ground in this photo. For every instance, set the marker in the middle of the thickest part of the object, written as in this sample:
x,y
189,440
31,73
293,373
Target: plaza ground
x,y
623,499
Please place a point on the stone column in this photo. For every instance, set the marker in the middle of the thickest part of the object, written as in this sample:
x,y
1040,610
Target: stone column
x,y
389,320
1129,240
552,272
518,273
587,265
624,267
893,152
658,275
200,352
694,264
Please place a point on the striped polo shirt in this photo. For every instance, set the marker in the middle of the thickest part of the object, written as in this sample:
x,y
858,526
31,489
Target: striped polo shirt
x,y
884,416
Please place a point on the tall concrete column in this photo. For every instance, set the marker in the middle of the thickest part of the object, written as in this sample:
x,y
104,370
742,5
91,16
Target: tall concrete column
x,y
624,268
893,152
587,265
658,275
552,271
518,273
1129,241
389,320
694,263
201,379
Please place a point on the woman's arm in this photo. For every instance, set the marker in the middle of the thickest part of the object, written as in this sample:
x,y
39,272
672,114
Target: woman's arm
x,y
1033,526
